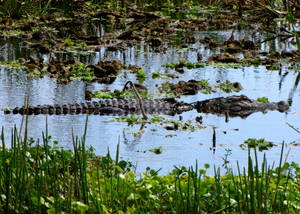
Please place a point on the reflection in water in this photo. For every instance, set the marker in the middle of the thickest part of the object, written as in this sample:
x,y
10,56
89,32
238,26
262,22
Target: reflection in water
x,y
293,90
214,140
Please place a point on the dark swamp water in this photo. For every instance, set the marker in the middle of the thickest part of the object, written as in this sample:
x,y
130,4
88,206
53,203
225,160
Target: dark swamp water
x,y
180,148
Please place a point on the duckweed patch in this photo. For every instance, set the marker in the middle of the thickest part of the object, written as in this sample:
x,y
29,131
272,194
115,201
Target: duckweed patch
x,y
117,94
188,65
12,64
156,75
262,100
156,119
156,151
105,94
220,65
131,120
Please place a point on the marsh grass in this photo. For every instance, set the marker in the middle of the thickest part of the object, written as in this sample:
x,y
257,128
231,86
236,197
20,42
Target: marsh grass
x,y
17,8
44,178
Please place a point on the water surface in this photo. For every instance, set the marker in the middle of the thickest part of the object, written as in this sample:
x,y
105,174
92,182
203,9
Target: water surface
x,y
181,148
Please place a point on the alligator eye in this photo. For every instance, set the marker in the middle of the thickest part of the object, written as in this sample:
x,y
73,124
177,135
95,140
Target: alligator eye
x,y
283,106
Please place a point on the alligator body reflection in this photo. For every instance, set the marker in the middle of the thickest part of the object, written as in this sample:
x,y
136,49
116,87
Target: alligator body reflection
x,y
231,106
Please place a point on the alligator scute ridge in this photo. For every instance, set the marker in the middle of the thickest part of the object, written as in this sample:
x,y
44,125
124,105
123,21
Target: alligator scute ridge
x,y
232,106
168,106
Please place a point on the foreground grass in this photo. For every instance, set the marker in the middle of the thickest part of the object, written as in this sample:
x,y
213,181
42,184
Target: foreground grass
x,y
49,179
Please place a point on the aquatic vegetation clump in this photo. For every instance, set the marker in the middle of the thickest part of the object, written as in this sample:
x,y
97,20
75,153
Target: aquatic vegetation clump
x,y
141,76
131,120
80,71
156,151
12,64
117,94
188,65
262,100
228,86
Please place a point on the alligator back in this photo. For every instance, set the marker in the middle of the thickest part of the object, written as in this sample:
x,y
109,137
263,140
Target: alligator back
x,y
168,106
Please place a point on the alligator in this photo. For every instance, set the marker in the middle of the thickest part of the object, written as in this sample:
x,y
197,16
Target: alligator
x,y
232,106
240,106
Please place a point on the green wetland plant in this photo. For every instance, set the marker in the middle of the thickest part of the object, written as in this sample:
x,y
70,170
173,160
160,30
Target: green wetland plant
x,y
18,8
68,42
41,177
294,128
262,100
188,65
80,71
293,22
11,8
131,120
105,94
141,76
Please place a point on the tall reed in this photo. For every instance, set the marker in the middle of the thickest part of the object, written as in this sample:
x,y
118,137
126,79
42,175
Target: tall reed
x,y
44,178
